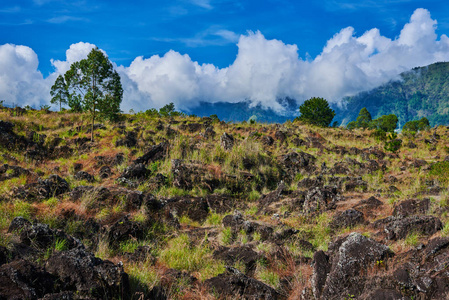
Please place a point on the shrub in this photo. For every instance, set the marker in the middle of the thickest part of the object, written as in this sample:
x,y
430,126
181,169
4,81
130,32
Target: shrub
x,y
392,144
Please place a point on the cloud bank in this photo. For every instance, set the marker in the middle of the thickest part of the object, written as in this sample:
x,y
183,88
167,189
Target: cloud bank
x,y
263,70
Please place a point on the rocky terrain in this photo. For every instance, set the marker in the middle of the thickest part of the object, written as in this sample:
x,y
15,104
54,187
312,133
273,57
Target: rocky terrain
x,y
195,208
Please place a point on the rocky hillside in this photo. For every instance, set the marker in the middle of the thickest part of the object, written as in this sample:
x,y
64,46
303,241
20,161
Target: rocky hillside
x,y
421,92
195,208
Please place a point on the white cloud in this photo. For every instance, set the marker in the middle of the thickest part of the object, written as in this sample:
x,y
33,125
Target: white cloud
x,y
76,52
267,69
64,19
262,71
202,3
20,81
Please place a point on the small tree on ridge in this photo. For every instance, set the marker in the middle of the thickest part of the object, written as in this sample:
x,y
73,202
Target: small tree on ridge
x,y
316,111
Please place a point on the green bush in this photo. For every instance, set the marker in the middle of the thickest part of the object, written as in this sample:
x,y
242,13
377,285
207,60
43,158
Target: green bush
x,y
392,144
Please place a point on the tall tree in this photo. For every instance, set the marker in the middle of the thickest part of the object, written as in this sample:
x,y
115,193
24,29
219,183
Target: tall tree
x,y
95,86
59,92
316,111
364,119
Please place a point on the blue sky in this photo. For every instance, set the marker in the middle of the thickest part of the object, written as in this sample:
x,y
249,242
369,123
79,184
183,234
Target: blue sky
x,y
211,32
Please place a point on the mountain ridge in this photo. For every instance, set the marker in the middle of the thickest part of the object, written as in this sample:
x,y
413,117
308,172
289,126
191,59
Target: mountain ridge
x,y
420,92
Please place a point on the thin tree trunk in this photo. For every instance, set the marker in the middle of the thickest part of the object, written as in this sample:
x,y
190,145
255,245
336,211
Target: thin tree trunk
x,y
93,122
93,111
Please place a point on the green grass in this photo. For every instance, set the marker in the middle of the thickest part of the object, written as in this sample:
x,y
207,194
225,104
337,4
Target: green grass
x,y
181,255
185,220
23,209
267,276
142,276
226,236
440,170
214,219
412,239
253,195
52,202
445,230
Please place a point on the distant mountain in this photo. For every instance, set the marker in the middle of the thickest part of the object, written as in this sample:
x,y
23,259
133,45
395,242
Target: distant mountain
x,y
242,111
420,92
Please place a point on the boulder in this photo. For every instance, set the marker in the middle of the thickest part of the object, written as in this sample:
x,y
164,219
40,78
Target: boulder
x,y
105,172
141,254
8,172
154,153
123,230
90,277
40,236
385,294
321,199
280,136
195,208
234,284
227,141
398,228
243,254
347,218
321,269
191,127
4,255
355,184
130,140
83,175
308,183
347,260
267,140
411,207
22,279
369,206
135,171
187,175
370,203
297,160
236,222
221,204
208,133
53,186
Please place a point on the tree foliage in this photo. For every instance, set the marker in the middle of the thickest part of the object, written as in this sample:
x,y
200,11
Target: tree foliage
x,y
387,123
167,110
92,85
316,111
363,120
417,125
59,92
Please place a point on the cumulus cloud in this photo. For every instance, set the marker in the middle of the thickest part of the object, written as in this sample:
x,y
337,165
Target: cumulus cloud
x,y
21,82
75,53
263,70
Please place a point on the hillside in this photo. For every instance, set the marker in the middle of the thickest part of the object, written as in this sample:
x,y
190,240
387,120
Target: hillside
x,y
421,92
196,208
